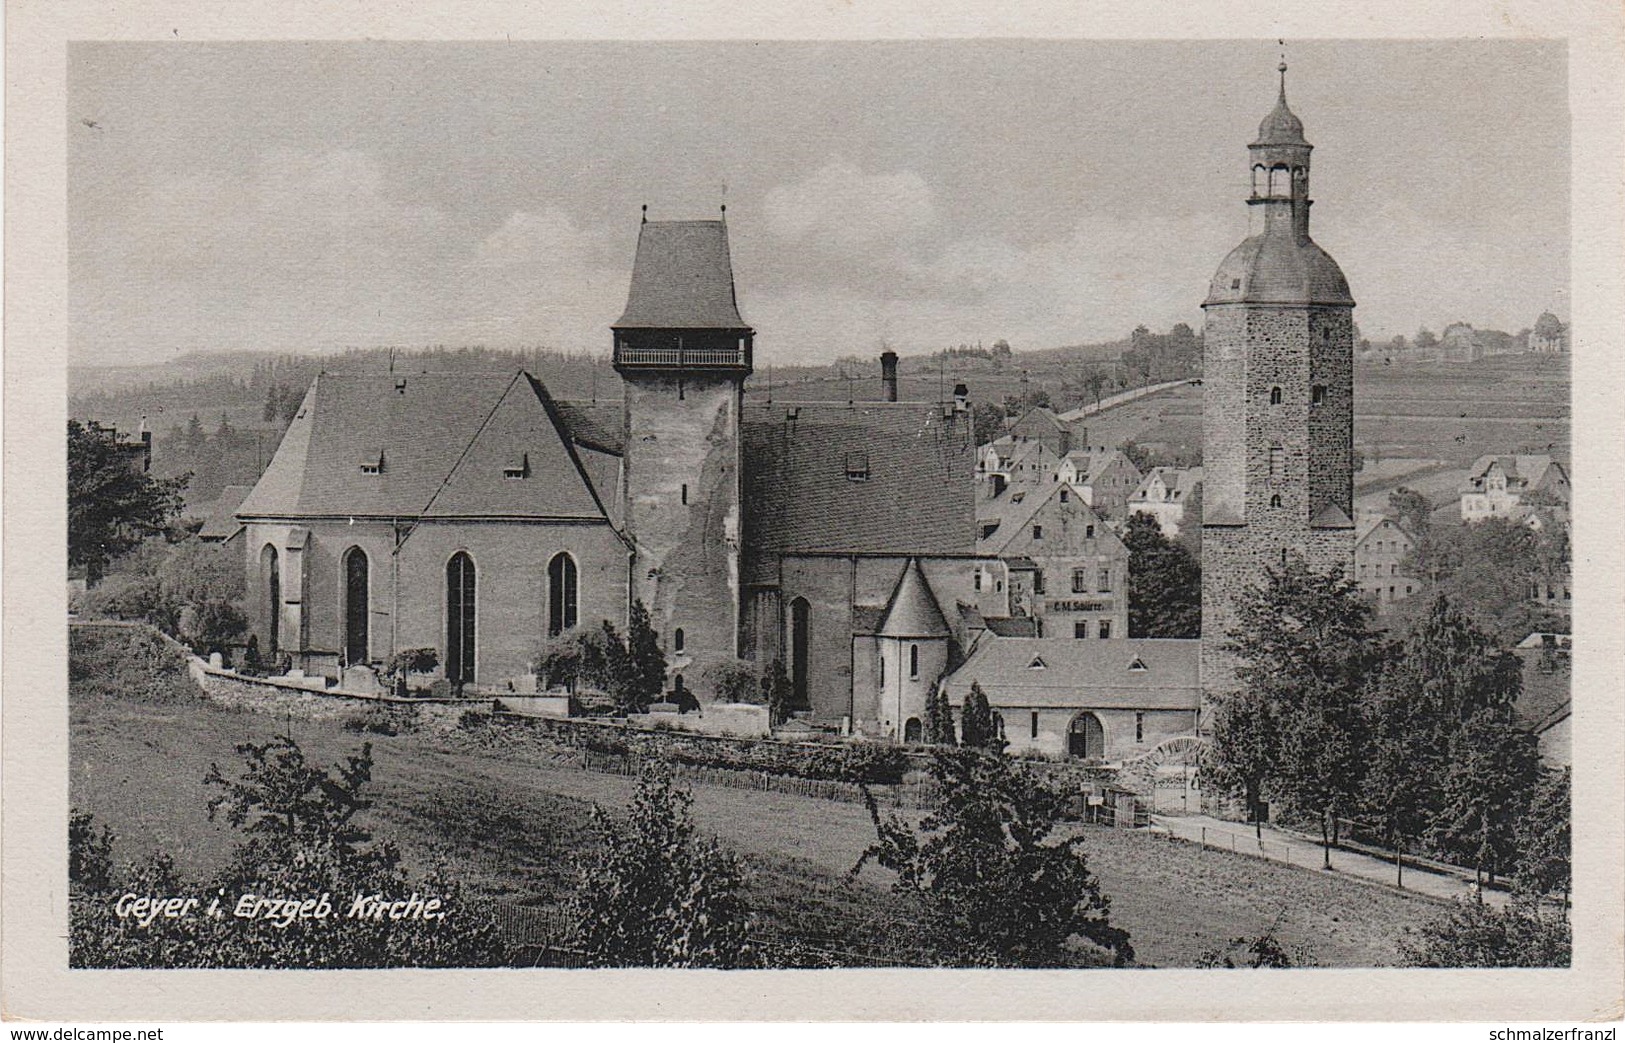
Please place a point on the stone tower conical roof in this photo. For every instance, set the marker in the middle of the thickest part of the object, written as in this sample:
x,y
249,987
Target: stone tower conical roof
x,y
913,610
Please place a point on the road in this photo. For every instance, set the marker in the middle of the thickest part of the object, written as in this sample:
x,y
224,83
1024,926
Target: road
x,y
1278,846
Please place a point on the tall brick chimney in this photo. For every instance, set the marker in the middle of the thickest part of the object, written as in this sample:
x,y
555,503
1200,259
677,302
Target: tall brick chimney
x,y
888,374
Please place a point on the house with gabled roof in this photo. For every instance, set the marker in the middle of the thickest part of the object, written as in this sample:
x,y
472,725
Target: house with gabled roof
x,y
1498,486
1163,494
1382,547
1099,700
1048,556
1105,477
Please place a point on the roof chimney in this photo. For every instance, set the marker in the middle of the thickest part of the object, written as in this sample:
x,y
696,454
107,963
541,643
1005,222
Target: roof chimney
x,y
961,398
888,375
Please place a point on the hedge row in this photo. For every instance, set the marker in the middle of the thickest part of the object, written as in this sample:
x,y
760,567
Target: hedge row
x,y
844,762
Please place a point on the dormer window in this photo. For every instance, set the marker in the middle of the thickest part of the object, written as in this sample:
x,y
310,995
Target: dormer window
x,y
1137,664
518,468
373,462
857,467
1038,664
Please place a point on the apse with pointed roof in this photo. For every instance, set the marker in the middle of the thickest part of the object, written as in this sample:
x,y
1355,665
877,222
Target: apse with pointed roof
x,y
913,610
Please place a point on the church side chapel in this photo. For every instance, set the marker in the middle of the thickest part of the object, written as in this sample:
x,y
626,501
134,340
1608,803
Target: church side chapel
x,y
870,547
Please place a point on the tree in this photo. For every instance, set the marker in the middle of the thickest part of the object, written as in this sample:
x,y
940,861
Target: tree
x,y
652,893
1413,510
939,718
977,727
1543,838
987,421
112,505
646,662
1000,886
736,681
1244,750
1472,934
1493,769
780,692
1305,643
1164,583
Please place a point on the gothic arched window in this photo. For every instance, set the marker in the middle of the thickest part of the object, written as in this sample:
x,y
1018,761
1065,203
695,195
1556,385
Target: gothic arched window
x,y
563,594
1275,396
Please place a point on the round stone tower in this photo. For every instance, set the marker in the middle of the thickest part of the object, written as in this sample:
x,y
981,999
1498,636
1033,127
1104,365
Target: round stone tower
x,y
1278,396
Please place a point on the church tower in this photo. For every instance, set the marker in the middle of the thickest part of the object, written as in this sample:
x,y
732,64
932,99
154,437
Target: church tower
x,y
683,354
1278,396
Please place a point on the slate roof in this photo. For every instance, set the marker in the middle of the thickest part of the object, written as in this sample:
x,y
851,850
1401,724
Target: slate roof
x,y
1014,509
1082,673
1281,126
440,442
1278,268
1527,470
222,523
682,278
1179,481
918,498
596,425
913,610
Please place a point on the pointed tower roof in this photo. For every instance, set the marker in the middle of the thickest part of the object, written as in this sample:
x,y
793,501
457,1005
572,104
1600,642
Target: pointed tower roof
x,y
1281,126
913,610
682,279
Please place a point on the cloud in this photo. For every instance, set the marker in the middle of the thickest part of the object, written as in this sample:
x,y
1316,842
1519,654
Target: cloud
x,y
840,208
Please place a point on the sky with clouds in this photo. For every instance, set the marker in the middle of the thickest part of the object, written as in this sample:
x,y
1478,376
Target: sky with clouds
x,y
311,197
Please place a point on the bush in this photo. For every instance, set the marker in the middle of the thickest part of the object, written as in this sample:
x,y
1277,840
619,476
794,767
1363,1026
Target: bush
x,y
1472,934
652,893
126,663
1001,886
384,719
301,837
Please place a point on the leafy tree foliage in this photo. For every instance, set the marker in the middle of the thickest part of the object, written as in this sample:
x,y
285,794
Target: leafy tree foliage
x,y
1000,886
1488,568
112,506
1413,510
781,692
1544,839
653,894
646,662
1164,583
1246,741
977,727
736,681
1472,934
939,718
90,854
1306,646
1494,767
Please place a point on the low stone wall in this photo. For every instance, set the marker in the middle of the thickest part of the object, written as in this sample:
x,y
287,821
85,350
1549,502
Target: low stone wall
x,y
730,720
535,705
282,699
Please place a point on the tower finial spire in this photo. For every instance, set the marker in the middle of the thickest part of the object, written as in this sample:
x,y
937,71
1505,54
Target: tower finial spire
x,y
1282,68
645,219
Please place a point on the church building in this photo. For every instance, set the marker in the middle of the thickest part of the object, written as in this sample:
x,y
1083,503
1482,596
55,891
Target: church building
x,y
479,515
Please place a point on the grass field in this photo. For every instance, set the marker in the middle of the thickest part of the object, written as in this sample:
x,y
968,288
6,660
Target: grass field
x,y
506,819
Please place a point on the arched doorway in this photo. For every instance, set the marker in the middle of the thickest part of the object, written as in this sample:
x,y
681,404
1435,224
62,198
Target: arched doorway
x,y
271,569
562,594
911,730
460,618
799,623
1086,738
356,606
